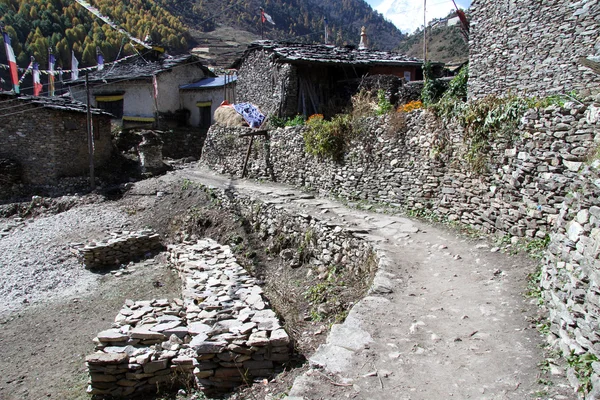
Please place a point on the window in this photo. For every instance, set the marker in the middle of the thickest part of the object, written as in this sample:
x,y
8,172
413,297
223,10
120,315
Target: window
x,y
111,103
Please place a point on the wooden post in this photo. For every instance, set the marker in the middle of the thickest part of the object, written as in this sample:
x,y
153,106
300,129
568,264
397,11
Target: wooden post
x,y
247,156
424,32
90,134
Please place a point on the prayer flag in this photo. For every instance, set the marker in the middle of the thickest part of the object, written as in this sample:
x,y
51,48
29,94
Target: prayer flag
x,y
12,62
37,85
266,17
74,66
100,59
51,62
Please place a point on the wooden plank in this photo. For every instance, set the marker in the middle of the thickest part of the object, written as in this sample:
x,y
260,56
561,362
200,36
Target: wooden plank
x,y
247,156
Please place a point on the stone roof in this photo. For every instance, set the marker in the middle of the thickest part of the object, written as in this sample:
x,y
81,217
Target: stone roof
x,y
143,67
329,54
61,103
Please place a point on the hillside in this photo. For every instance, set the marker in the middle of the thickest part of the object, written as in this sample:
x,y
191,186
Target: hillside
x,y
64,25
444,43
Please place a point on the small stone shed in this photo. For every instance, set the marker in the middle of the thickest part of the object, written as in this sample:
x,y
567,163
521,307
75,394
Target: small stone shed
x,y
47,137
143,91
287,79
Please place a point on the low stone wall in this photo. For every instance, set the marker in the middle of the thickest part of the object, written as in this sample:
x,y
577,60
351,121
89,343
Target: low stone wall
x,y
220,335
121,247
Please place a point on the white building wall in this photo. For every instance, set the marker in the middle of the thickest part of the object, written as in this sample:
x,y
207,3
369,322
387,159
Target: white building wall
x,y
168,83
138,98
190,97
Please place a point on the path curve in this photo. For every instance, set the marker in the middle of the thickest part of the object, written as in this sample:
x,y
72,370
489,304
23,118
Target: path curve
x,y
445,318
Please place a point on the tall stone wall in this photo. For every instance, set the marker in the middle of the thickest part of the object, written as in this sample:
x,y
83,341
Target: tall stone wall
x,y
532,47
267,84
571,275
49,143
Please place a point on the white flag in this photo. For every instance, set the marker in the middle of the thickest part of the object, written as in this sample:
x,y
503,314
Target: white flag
x,y
74,66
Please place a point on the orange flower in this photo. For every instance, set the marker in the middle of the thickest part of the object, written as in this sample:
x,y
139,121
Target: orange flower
x,y
314,116
413,105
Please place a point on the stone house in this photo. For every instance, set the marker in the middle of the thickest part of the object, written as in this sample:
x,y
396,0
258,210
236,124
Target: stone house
x,y
287,79
533,47
203,97
143,91
47,137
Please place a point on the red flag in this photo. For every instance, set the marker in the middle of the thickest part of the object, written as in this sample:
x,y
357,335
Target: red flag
x,y
37,85
12,62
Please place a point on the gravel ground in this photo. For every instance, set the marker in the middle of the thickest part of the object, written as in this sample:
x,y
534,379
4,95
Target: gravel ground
x,y
35,258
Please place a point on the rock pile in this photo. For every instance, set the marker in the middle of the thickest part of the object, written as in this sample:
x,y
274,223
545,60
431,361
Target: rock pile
x,y
121,247
221,334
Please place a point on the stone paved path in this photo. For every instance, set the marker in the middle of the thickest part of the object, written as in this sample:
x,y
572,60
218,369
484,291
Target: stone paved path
x,y
445,318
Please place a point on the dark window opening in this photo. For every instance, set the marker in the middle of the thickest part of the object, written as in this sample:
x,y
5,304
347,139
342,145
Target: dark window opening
x,y
113,107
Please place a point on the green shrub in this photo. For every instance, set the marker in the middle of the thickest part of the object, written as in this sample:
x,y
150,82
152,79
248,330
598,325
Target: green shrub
x,y
328,139
432,87
279,122
383,104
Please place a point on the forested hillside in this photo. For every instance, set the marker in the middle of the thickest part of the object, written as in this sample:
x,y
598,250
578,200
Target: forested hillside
x,y
64,25
296,20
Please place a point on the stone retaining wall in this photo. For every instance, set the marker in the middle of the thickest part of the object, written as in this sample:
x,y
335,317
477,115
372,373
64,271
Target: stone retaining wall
x,y
221,334
520,195
571,275
120,248
532,47
538,185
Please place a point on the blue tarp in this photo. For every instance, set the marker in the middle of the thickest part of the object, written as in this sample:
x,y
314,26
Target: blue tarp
x,y
253,117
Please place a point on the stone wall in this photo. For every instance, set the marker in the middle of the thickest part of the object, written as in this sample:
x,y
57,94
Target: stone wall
x,y
539,185
51,143
269,85
221,334
177,142
120,248
521,194
571,275
532,47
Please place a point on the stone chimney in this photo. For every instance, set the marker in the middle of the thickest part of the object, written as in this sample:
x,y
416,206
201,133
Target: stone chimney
x,y
364,41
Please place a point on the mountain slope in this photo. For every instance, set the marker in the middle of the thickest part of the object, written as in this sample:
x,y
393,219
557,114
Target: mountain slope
x,y
295,20
64,25
444,43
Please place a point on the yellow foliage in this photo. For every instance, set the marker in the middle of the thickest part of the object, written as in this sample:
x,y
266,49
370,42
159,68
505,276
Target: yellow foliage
x,y
413,105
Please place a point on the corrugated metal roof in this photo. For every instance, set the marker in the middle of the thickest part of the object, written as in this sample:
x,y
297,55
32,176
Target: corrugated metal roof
x,y
209,83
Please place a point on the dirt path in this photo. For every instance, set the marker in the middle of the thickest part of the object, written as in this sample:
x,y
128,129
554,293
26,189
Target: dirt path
x,y
447,317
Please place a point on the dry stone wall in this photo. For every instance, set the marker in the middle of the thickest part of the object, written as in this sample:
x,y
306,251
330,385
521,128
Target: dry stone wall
x,y
539,185
571,277
268,84
49,144
532,47
521,195
120,247
221,334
